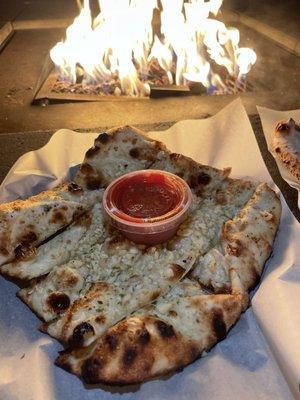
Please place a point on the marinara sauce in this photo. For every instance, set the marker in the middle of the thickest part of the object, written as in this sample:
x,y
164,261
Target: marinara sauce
x,y
146,196
147,206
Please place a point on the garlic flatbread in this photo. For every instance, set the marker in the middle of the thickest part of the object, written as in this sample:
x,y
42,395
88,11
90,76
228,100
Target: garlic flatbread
x,y
129,312
162,337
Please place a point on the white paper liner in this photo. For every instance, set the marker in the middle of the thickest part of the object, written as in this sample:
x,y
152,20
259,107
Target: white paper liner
x,y
269,119
242,366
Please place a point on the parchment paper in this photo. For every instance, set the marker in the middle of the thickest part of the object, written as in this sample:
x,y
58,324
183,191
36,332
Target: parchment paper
x,y
269,119
240,367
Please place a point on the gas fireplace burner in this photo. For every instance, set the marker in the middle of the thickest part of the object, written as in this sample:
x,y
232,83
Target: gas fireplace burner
x,y
171,48
54,90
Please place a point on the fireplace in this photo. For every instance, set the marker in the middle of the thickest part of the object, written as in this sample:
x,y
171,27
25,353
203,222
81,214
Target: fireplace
x,y
137,49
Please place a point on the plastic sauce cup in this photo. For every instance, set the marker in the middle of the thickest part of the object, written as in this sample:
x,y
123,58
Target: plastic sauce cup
x,y
147,206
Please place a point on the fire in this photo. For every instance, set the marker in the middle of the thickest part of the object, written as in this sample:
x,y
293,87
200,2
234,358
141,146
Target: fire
x,y
120,45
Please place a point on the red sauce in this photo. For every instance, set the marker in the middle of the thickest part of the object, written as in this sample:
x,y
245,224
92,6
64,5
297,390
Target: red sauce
x,y
147,206
146,196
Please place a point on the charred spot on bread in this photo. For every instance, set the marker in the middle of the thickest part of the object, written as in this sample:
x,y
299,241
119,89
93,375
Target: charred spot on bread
x,y
64,365
92,151
134,152
165,330
58,217
24,252
68,279
89,370
112,341
92,178
93,182
103,138
172,313
277,149
62,361
175,156
282,127
74,188
193,182
144,337
199,192
82,332
58,302
159,145
86,169
129,356
4,251
203,178
218,324
100,319
28,238
194,353
254,273
235,249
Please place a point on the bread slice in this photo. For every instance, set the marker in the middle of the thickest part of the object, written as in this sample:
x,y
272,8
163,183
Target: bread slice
x,y
247,240
160,338
81,234
26,224
38,261
128,149
286,144
245,243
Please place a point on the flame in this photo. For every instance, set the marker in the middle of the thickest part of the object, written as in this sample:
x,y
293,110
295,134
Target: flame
x,y
119,45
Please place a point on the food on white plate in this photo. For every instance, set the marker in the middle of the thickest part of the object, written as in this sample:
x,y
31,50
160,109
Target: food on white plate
x,y
286,144
127,311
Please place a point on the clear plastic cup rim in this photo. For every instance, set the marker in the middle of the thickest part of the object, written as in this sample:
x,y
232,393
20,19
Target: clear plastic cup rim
x,y
150,225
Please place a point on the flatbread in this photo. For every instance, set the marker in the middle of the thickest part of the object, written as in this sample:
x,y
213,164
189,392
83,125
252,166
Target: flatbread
x,y
251,231
110,262
286,144
86,230
115,153
128,149
245,243
122,144
142,271
247,240
162,337
24,224
130,312
40,260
